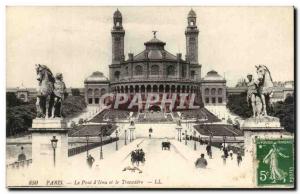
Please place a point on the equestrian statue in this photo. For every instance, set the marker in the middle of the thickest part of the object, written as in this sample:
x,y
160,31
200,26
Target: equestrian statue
x,y
50,93
260,91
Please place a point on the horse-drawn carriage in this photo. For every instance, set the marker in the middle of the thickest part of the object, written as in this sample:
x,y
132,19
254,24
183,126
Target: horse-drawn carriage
x,y
165,145
138,156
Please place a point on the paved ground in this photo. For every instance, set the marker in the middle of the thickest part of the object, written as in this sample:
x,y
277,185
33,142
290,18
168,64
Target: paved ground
x,y
174,168
171,168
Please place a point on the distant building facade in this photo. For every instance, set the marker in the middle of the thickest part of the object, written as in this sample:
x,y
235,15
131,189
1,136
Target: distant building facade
x,y
95,86
213,89
155,69
281,91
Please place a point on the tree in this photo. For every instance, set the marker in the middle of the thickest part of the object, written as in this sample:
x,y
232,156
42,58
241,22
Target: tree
x,y
75,92
238,105
12,100
73,105
285,111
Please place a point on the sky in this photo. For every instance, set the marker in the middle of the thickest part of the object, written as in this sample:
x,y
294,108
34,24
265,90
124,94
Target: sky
x,y
76,41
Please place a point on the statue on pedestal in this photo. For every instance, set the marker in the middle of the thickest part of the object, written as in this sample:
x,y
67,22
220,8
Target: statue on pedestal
x,y
50,93
259,90
59,95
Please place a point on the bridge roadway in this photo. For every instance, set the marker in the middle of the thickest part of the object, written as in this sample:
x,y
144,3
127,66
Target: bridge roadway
x,y
166,168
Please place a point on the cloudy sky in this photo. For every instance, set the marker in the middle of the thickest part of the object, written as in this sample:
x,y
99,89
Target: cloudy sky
x,y
76,40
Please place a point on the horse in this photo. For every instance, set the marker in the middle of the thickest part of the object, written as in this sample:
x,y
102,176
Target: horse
x,y
265,86
137,156
165,145
45,94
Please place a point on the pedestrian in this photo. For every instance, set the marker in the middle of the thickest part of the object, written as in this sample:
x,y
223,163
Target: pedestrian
x,y
201,162
225,150
22,156
239,158
224,159
208,150
90,160
231,154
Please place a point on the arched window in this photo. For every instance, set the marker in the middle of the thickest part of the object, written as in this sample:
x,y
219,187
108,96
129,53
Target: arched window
x,y
167,88
148,88
131,89
97,92
161,88
117,75
173,88
213,91
103,91
206,91
136,88
154,70
143,89
22,96
138,70
170,70
155,88
193,74
90,92
178,88
126,71
220,91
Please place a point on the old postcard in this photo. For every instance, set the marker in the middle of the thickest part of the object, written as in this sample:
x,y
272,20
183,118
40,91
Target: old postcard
x,y
150,97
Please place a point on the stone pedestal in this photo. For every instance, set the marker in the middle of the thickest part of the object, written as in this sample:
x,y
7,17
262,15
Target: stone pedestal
x,y
43,154
131,133
262,128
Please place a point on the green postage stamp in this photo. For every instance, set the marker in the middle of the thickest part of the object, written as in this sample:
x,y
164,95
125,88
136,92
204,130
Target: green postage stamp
x,y
275,162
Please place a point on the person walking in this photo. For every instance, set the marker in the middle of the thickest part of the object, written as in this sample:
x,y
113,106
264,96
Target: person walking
x,y
208,150
239,158
231,154
22,156
90,160
224,159
201,162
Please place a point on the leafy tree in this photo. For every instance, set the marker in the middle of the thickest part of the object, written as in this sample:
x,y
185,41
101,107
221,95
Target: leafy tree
x,y
12,100
238,105
73,105
75,92
285,111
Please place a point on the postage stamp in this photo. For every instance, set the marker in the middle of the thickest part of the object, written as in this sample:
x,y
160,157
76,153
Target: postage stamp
x,y
276,162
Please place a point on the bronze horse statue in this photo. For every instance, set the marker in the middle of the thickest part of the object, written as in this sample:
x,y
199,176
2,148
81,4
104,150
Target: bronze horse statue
x,y
45,94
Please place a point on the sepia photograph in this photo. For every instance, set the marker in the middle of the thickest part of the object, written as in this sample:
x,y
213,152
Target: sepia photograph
x,y
150,97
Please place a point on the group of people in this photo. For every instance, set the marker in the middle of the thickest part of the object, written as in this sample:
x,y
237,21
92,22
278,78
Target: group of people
x,y
202,162
138,156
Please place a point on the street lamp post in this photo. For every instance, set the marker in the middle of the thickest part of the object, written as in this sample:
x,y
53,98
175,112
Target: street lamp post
x,y
224,140
125,137
185,137
195,146
87,145
180,134
116,140
199,140
101,151
54,146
